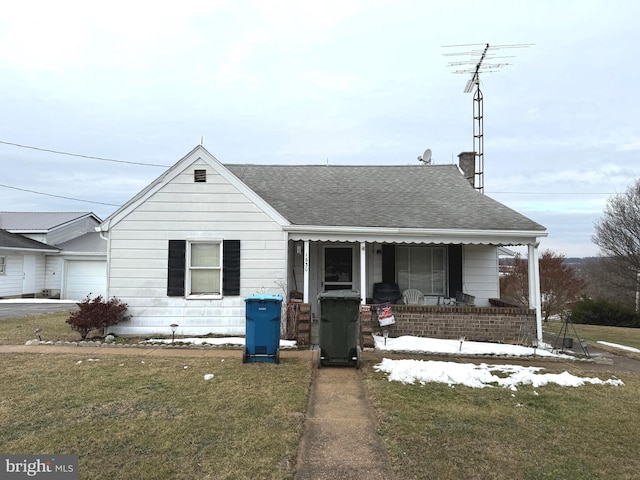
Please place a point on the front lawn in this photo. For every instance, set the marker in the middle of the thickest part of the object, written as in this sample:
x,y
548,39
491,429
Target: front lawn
x,y
139,416
132,416
435,431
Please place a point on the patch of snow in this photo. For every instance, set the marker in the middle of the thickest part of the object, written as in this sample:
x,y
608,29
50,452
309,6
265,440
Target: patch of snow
x,y
621,347
479,376
433,345
209,376
215,341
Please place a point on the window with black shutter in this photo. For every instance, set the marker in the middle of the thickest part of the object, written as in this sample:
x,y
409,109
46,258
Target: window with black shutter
x,y
203,268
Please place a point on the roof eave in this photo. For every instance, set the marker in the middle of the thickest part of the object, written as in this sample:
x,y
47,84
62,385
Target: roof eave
x,y
30,250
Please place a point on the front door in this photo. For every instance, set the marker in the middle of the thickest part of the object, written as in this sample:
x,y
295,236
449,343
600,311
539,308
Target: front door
x,y
338,268
29,275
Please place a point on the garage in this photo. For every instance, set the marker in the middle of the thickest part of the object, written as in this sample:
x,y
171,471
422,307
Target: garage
x,y
84,277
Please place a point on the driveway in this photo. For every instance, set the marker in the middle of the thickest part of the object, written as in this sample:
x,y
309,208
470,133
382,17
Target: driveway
x,y
22,307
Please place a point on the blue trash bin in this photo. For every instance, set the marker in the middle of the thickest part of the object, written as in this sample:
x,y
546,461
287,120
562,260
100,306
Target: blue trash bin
x,y
262,332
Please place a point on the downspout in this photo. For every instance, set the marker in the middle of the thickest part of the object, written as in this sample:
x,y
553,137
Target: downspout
x,y
104,235
534,287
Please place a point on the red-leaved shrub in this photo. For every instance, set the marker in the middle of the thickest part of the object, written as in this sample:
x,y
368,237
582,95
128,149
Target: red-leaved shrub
x,y
97,313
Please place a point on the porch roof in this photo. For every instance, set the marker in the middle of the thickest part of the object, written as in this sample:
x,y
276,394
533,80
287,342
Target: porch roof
x,y
12,241
389,203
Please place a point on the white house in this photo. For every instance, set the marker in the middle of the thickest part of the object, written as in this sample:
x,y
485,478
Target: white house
x,y
60,255
191,246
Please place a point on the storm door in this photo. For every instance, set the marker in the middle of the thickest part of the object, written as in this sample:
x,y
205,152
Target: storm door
x,y
338,268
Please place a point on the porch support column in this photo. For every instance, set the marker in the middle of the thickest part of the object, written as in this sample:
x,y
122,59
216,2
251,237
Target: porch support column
x,y
363,271
534,287
305,296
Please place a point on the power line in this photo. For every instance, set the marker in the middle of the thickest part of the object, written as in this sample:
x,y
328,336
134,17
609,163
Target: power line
x,y
59,196
83,156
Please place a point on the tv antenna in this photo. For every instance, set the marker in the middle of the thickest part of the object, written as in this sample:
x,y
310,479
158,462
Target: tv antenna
x,y
426,157
480,59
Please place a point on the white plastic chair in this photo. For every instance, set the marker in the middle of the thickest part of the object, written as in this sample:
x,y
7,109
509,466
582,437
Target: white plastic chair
x,y
411,296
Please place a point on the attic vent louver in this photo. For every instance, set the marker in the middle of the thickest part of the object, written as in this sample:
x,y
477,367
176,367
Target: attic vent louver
x,y
200,176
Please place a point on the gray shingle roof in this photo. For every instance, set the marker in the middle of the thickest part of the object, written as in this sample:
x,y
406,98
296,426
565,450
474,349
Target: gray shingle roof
x,y
15,241
414,196
38,221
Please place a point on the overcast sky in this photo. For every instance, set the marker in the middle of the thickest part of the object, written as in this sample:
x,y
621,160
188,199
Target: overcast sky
x,y
344,82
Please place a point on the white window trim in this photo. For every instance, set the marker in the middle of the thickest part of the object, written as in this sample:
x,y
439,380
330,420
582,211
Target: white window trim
x,y
188,294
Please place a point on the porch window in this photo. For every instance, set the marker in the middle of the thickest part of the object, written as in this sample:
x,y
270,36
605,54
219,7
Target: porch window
x,y
2,266
205,268
422,268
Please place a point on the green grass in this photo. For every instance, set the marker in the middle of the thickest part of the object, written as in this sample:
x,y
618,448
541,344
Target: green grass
x,y
629,337
150,417
16,331
128,419
439,432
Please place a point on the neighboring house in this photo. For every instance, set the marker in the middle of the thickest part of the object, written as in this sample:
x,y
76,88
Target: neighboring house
x,y
22,265
191,246
68,261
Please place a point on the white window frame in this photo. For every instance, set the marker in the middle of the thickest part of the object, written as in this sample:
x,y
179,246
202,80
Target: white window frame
x,y
189,269
3,265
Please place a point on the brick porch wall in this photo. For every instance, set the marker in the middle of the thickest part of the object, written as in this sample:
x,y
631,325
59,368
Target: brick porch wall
x,y
486,324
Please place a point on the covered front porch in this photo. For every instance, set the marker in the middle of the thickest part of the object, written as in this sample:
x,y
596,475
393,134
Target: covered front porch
x,y
439,268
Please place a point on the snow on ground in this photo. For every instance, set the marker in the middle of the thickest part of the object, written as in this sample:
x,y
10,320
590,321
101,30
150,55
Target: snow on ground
x,y
469,374
434,345
479,376
216,341
451,373
621,347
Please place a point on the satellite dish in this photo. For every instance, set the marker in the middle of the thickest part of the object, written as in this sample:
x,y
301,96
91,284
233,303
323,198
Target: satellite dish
x,y
426,157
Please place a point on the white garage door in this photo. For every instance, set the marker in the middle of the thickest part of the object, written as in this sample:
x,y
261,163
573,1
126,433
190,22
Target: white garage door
x,y
84,277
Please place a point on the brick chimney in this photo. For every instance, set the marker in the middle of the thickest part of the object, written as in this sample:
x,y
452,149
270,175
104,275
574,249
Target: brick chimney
x,y
467,162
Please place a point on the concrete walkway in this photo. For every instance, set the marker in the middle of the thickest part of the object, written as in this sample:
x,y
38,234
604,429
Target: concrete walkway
x,y
340,440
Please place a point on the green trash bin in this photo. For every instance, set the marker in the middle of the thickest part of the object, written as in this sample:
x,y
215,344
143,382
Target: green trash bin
x,y
339,332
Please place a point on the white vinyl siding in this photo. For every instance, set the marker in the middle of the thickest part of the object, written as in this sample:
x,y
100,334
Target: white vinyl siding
x,y
11,281
53,274
196,212
480,267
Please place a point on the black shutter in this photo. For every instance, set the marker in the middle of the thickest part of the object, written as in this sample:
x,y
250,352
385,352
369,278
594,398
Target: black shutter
x,y
455,269
388,263
176,268
231,267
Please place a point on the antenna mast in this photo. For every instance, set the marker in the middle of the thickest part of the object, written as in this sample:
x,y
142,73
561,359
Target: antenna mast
x,y
478,63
